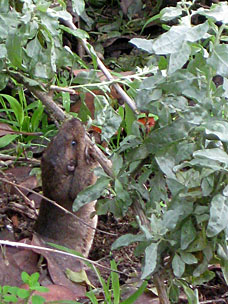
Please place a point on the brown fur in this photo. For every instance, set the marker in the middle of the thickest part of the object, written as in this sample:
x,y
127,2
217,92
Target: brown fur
x,y
66,170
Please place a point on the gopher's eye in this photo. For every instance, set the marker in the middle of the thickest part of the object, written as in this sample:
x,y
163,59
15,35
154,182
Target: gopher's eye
x,y
73,143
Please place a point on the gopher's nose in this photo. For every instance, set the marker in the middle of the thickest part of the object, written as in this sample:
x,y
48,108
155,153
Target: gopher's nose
x,y
71,165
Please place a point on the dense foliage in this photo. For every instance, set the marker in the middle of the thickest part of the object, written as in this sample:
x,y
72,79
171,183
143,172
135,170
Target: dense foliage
x,y
176,170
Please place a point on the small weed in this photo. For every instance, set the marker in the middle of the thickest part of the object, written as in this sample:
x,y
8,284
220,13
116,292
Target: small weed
x,y
13,294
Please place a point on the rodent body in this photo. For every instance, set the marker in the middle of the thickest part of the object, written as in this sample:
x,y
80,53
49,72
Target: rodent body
x,y
67,169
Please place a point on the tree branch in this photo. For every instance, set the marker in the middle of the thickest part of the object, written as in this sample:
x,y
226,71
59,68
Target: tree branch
x,y
103,68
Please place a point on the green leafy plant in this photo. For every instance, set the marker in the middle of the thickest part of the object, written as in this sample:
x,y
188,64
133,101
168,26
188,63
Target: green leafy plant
x,y
10,294
177,171
112,290
27,124
31,50
182,162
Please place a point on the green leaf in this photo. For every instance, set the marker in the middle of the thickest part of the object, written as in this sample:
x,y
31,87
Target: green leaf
x,y
192,296
3,51
14,49
197,32
166,161
224,268
162,137
222,251
7,139
174,292
129,119
127,239
201,268
136,294
4,6
91,193
178,266
92,297
163,63
144,44
219,59
184,81
67,102
129,142
25,277
112,123
36,117
111,27
215,154
39,288
171,41
78,6
93,55
8,22
188,258
115,283
33,48
218,220
23,293
78,33
207,185
10,299
175,187
188,234
178,59
121,193
50,24
177,213
16,107
33,280
12,290
204,278
36,299
217,12
106,117
3,81
199,244
216,129
117,163
151,253
157,226
138,153
170,13
151,20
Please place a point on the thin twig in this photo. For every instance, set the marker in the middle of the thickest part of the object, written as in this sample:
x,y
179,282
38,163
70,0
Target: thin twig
x,y
10,157
57,205
62,89
212,301
103,68
16,244
21,132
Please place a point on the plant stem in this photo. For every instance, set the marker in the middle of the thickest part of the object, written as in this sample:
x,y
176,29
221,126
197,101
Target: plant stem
x,y
158,278
161,289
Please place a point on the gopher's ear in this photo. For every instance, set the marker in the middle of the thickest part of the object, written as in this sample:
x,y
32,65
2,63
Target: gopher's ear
x,y
89,157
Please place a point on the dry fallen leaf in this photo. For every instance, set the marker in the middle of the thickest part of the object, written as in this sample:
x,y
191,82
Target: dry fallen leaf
x,y
56,293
